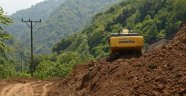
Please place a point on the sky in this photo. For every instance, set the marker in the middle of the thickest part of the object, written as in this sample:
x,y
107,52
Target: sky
x,y
11,6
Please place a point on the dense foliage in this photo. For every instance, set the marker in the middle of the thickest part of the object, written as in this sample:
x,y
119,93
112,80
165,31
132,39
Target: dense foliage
x,y
59,66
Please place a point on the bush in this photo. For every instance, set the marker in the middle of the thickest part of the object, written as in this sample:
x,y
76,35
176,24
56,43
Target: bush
x,y
22,75
6,71
48,70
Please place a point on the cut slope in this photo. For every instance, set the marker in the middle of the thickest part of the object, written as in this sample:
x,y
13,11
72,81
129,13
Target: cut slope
x,y
159,72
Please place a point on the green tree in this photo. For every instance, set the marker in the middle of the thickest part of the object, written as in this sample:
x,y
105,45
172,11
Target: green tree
x,y
6,66
3,35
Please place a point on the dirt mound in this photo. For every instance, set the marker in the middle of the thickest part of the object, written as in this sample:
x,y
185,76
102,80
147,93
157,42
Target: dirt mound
x,y
159,72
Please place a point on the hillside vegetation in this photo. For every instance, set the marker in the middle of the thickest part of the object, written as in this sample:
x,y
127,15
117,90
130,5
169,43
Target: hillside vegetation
x,y
153,19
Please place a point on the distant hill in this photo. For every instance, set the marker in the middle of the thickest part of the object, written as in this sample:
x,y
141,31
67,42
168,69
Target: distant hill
x,y
60,18
41,10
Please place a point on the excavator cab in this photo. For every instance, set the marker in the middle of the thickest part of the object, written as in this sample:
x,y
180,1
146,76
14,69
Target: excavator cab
x,y
125,43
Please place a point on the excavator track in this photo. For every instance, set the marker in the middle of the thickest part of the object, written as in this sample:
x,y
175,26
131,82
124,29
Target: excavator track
x,y
129,54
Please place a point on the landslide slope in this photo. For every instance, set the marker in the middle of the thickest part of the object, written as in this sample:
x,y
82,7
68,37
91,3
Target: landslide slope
x,y
159,72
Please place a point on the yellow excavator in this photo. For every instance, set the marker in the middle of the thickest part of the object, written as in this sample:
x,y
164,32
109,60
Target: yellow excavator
x,y
125,43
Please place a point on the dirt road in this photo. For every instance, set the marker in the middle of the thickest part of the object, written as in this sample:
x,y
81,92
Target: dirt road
x,y
34,88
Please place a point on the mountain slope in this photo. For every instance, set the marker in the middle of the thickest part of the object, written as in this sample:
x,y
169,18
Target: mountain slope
x,y
39,11
20,32
69,17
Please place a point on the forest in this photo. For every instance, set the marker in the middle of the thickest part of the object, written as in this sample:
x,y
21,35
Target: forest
x,y
153,19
